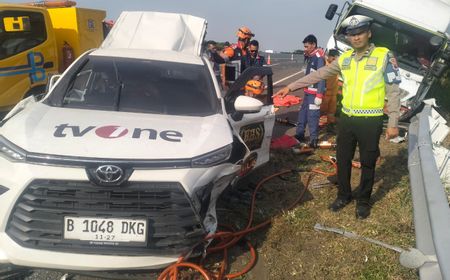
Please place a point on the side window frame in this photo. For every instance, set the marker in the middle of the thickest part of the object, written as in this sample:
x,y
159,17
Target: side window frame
x,y
75,94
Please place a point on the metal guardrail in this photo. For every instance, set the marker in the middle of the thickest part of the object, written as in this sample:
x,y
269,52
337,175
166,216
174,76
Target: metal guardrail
x,y
431,207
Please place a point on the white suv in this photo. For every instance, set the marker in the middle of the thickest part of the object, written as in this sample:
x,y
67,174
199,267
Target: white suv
x,y
120,165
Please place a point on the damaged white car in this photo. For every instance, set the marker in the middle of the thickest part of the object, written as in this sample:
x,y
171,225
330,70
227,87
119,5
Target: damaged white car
x,y
120,165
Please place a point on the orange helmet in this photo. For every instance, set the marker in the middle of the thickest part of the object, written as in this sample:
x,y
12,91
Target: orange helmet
x,y
228,51
254,86
244,33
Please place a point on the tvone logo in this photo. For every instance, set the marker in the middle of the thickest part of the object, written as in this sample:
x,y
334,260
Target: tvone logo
x,y
115,131
111,131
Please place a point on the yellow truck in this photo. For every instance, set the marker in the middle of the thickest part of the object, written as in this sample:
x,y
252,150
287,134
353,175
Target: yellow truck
x,y
36,42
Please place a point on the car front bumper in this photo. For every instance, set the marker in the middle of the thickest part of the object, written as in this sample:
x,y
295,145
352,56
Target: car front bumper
x,y
31,214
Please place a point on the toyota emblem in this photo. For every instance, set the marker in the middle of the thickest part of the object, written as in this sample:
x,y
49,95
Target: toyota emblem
x,y
109,173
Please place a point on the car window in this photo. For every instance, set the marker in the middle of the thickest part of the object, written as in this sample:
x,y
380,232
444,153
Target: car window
x,y
20,31
133,85
77,90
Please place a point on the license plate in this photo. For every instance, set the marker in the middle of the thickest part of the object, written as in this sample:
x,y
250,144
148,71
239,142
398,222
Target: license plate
x,y
105,230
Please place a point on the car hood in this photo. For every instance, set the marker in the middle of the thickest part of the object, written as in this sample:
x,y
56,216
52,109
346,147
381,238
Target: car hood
x,y
114,135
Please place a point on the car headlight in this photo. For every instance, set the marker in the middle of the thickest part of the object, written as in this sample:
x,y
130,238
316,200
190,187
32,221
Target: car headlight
x,y
212,158
11,151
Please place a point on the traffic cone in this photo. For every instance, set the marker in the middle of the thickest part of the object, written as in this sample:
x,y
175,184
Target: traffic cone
x,y
268,59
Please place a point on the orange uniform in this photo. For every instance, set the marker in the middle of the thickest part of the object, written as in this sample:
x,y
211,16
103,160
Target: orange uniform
x,y
328,106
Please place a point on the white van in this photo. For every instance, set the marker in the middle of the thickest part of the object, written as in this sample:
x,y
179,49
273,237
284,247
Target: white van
x,y
417,31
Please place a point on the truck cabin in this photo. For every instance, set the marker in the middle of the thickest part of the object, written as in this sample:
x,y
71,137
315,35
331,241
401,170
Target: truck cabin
x,y
411,45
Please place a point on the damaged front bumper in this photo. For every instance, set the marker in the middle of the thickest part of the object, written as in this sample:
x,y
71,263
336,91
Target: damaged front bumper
x,y
179,206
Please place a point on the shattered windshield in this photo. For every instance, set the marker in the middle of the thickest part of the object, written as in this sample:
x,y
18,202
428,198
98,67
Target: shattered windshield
x,y
410,45
146,86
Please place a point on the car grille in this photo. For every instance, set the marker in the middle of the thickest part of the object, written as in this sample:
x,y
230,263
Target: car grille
x,y
38,216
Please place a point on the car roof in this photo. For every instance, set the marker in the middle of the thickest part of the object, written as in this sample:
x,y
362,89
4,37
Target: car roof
x,y
160,55
157,31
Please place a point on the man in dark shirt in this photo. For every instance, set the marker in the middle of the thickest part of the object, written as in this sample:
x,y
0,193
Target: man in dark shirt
x,y
253,58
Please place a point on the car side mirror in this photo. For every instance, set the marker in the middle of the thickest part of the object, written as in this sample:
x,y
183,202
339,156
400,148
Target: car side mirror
x,y
246,104
52,82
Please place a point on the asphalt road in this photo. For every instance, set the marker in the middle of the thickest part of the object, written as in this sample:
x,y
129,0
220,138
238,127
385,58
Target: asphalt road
x,y
286,71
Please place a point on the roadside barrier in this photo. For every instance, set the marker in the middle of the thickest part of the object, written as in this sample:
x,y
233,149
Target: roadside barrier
x,y
431,206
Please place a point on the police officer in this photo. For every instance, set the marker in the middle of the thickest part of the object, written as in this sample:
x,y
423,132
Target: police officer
x,y
369,73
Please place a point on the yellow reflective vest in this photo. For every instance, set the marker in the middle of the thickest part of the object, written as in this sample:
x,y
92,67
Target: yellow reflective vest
x,y
364,87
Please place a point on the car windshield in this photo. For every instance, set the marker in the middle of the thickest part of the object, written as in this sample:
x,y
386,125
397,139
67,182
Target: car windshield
x,y
146,86
410,45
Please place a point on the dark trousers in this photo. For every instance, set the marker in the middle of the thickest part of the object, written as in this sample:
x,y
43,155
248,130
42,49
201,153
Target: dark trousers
x,y
364,132
309,114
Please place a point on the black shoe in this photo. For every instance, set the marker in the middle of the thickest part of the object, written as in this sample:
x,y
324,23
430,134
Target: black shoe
x,y
338,204
314,143
362,210
300,138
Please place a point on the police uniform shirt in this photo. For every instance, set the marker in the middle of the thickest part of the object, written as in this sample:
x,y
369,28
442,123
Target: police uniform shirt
x,y
391,77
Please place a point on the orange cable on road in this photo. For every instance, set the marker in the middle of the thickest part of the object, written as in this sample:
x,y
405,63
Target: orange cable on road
x,y
332,161
228,239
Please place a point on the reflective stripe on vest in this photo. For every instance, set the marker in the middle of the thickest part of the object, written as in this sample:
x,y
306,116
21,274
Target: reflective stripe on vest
x,y
362,112
364,88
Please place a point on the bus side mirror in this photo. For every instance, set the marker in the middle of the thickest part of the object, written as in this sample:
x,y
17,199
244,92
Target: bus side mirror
x,y
331,11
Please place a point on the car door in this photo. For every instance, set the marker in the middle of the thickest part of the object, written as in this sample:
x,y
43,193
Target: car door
x,y
253,129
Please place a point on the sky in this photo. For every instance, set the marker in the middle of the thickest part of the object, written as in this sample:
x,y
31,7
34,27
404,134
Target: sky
x,y
280,25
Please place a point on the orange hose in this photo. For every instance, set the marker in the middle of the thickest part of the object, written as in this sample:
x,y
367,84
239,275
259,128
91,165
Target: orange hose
x,y
172,270
230,238
332,161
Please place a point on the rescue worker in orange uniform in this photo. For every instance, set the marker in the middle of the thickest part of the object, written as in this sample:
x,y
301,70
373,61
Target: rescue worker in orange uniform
x,y
328,106
238,51
235,52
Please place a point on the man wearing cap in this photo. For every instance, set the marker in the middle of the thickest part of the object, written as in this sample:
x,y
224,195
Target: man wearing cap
x,y
370,74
